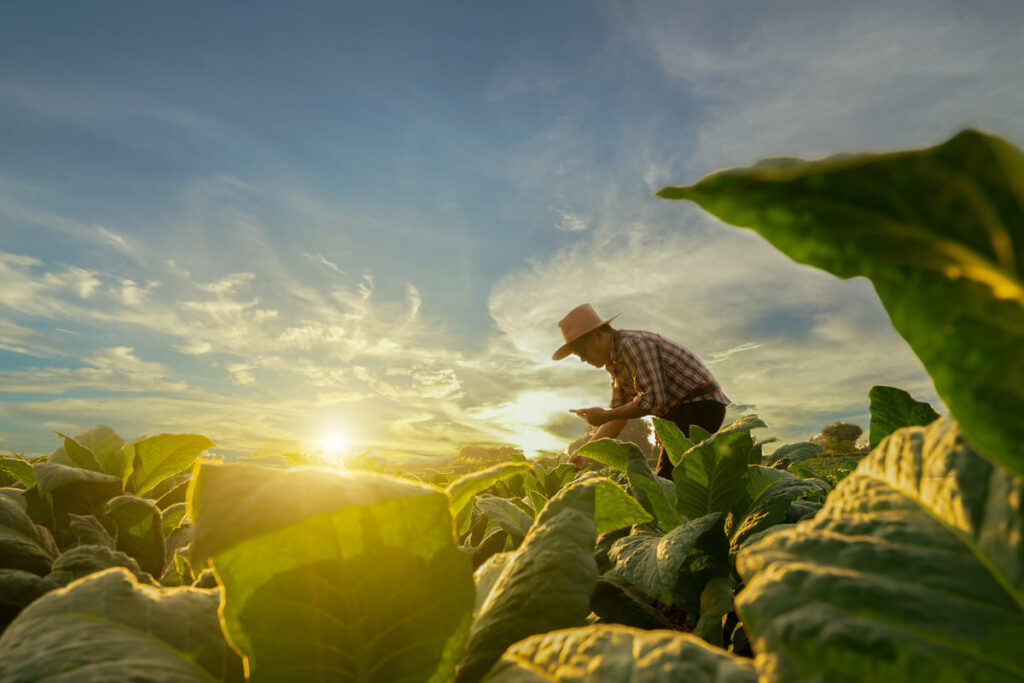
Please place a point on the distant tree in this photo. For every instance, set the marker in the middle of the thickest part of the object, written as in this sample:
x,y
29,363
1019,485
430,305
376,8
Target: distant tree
x,y
839,438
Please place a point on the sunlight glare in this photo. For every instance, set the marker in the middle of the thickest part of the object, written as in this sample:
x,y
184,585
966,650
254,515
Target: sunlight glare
x,y
334,445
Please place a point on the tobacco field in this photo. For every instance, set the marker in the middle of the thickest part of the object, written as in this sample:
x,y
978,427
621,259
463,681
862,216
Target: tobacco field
x,y
149,560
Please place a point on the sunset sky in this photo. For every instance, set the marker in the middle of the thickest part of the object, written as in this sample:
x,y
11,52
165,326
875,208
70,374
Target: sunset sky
x,y
271,223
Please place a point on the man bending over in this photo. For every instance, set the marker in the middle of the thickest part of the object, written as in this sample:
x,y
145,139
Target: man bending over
x,y
650,374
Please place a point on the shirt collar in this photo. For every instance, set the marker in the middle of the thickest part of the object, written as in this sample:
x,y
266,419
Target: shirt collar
x,y
613,353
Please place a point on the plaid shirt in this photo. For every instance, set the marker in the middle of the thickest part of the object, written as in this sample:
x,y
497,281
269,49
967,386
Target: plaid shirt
x,y
657,371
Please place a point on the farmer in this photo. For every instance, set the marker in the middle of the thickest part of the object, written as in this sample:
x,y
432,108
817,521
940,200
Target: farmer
x,y
651,375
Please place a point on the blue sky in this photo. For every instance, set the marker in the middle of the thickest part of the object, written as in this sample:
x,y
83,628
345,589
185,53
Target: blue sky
x,y
269,223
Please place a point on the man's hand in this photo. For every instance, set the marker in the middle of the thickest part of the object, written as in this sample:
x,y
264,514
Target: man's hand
x,y
594,416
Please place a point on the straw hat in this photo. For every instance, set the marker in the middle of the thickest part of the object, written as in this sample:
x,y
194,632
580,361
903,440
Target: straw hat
x,y
578,322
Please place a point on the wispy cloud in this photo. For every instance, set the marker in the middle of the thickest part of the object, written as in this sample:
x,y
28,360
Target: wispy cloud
x,y
115,369
571,222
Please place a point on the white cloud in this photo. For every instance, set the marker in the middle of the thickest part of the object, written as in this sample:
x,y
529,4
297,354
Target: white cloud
x,y
115,369
571,222
322,260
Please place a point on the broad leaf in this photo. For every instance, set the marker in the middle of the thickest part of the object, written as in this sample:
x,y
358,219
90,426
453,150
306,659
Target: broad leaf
x,y
174,516
88,531
106,446
72,489
84,560
506,515
715,604
139,531
672,439
794,452
20,469
610,654
24,544
939,232
771,506
17,589
893,409
333,575
79,455
159,457
488,574
109,628
912,571
712,476
673,568
615,603
547,583
644,484
463,489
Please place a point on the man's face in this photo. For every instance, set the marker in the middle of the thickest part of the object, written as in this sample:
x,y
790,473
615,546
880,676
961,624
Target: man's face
x,y
587,349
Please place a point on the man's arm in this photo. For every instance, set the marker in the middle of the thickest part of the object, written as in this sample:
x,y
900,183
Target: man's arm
x,y
599,417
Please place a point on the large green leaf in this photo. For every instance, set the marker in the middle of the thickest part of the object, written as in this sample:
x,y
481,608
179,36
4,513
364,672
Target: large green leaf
x,y
139,531
20,469
672,439
893,409
17,589
611,654
84,560
78,455
795,452
716,602
89,531
506,515
159,457
463,489
109,628
547,583
644,484
333,575
98,449
24,545
940,233
73,489
107,447
771,506
712,476
673,567
912,571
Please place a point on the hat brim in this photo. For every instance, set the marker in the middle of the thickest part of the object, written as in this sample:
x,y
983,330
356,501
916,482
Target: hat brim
x,y
564,350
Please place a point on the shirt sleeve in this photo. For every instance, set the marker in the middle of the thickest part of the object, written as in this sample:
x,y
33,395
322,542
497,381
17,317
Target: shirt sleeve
x,y
618,395
647,376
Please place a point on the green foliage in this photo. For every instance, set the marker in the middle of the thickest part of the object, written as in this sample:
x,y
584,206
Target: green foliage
x,y
655,494
711,476
159,457
463,489
108,628
912,571
892,409
940,234
19,469
333,575
547,583
666,656
794,452
672,439
24,545
139,531
674,567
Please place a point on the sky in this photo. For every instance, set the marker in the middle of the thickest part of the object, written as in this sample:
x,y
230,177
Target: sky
x,y
355,226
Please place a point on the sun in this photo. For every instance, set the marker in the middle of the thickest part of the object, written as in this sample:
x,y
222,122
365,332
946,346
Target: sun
x,y
334,444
